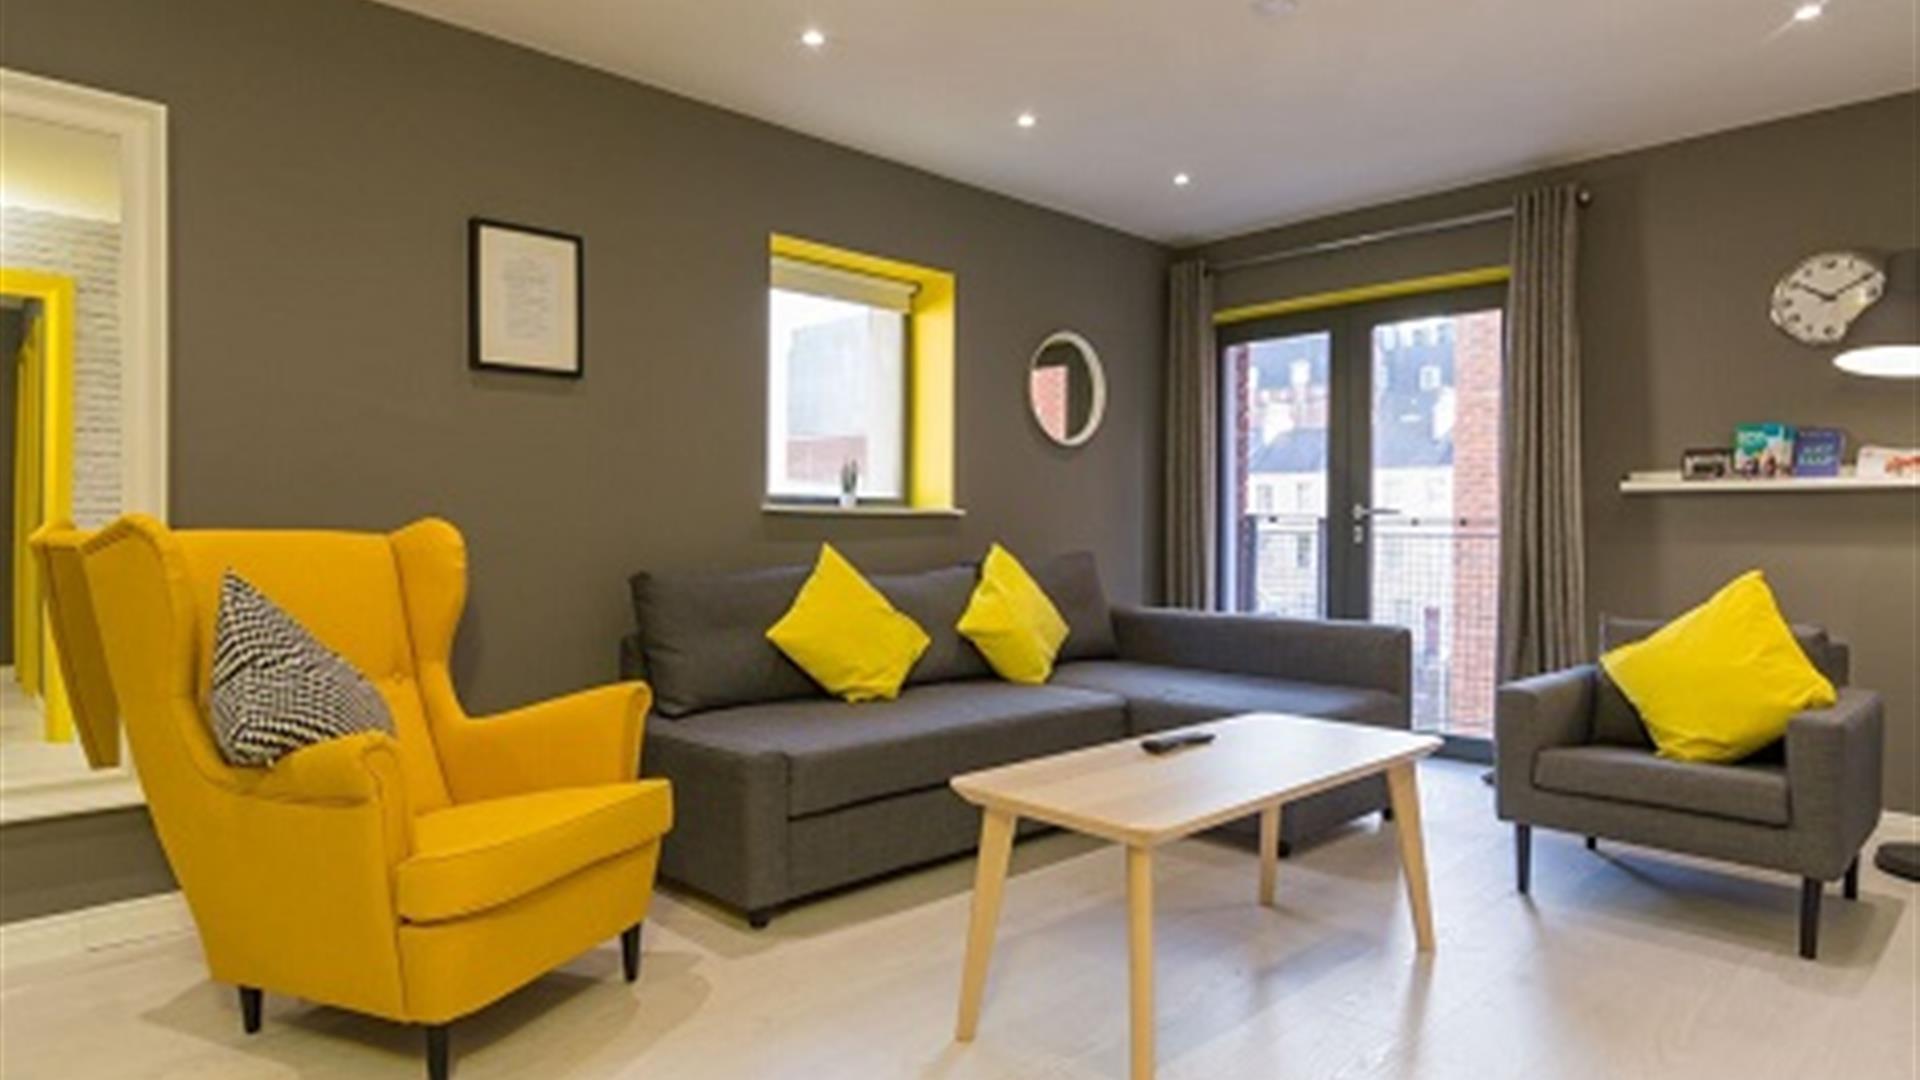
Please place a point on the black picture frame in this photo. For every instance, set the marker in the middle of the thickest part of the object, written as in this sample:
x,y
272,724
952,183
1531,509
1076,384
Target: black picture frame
x,y
477,360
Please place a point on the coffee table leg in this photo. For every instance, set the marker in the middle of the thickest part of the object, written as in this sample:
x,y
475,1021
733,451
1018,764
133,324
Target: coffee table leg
x,y
1140,957
1269,852
990,874
1403,789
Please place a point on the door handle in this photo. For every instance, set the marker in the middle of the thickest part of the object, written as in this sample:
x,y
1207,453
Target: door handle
x,y
1364,513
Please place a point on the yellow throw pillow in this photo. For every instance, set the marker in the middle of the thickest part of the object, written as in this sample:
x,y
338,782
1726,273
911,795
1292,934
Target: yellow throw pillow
x,y
1011,621
1721,681
843,632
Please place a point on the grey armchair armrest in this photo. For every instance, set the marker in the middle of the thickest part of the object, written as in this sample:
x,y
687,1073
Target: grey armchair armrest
x,y
1833,776
1365,655
1535,714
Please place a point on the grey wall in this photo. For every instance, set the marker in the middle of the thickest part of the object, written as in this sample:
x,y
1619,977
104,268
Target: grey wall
x,y
1680,249
325,157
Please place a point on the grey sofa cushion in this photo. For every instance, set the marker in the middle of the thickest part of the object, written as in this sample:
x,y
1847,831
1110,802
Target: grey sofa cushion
x,y
1159,698
839,754
1072,582
1617,723
703,636
1755,793
936,599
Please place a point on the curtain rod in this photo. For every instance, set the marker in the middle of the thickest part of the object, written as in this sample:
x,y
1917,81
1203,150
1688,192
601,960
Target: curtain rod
x,y
1400,232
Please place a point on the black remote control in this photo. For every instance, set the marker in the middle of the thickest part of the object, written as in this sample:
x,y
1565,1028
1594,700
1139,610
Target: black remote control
x,y
1167,744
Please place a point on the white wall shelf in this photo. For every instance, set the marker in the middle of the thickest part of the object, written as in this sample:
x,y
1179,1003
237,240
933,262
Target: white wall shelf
x,y
1668,482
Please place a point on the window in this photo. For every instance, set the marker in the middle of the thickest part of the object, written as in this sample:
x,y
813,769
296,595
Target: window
x,y
837,378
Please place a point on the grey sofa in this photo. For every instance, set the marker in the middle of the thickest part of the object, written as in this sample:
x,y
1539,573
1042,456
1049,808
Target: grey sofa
x,y
1572,754
782,792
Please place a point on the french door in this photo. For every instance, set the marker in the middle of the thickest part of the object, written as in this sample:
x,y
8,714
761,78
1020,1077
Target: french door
x,y
1361,453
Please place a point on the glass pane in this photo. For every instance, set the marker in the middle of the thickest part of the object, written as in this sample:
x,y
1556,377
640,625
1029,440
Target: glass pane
x,y
837,395
1436,492
1277,411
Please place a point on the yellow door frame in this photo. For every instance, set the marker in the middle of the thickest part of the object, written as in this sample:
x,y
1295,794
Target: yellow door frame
x,y
42,478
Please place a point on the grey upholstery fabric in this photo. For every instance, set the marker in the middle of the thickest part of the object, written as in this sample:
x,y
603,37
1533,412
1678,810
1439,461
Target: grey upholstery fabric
x,y
936,599
1192,429
1542,538
837,754
1832,778
1834,774
843,846
1342,653
779,800
1161,697
1072,582
1755,793
704,638
730,813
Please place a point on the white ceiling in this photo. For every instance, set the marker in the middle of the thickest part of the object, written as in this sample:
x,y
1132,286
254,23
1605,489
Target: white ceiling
x,y
1332,105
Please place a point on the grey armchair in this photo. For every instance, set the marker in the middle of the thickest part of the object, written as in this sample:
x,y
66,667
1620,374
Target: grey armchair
x,y
1571,754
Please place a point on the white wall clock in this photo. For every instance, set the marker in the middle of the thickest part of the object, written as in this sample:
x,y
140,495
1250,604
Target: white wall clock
x,y
1818,299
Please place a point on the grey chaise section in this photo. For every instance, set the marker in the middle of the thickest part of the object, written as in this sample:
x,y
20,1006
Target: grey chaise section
x,y
1572,755
783,793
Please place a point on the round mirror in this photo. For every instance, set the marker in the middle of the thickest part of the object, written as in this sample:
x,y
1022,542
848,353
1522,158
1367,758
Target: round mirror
x,y
1067,388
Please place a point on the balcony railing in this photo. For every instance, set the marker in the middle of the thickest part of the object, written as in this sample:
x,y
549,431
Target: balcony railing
x,y
1439,579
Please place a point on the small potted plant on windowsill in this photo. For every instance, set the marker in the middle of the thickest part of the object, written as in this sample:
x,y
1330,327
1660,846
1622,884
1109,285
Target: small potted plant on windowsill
x,y
850,484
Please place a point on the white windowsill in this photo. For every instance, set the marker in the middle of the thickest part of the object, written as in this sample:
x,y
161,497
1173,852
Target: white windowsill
x,y
878,510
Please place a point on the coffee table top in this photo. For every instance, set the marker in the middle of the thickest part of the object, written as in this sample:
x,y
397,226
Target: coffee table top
x,y
1119,792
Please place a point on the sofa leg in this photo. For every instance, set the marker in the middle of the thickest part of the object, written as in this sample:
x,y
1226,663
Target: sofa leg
x,y
436,1052
1523,857
1386,813
630,952
1851,886
250,1009
1593,843
1283,849
758,918
1810,892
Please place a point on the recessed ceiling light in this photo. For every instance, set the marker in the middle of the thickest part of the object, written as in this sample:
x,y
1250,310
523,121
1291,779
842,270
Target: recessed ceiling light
x,y
1181,179
812,38
1808,12
1026,119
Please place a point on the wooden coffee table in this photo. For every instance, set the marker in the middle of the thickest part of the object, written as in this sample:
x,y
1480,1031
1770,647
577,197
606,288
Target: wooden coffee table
x,y
1119,792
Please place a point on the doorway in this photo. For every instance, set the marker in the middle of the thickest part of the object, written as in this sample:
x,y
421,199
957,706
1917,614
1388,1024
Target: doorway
x,y
36,394
1361,451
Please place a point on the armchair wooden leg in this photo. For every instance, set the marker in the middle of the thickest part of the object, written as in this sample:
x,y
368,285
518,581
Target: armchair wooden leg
x,y
630,952
1851,886
1523,857
250,1009
436,1052
1810,892
758,918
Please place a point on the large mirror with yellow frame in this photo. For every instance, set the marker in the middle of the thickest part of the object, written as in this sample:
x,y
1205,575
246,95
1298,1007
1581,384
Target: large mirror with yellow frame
x,y
82,394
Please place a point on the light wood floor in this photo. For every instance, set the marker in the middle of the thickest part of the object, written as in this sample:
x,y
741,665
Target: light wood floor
x,y
1623,964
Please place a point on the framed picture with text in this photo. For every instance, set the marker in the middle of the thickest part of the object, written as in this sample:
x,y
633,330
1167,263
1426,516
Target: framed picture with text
x,y
526,299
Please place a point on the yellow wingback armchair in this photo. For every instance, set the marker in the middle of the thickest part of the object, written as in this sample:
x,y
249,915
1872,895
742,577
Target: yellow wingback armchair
x,y
416,877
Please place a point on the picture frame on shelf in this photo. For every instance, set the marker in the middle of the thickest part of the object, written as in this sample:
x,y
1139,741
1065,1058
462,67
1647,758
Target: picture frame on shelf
x,y
526,299
1706,463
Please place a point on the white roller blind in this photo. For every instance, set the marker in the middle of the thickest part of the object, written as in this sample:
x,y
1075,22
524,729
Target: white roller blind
x,y
815,279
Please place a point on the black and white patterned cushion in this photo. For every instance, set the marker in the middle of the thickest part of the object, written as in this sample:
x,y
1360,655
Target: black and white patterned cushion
x,y
275,688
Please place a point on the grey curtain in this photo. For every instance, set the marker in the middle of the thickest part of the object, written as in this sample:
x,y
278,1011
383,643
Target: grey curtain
x,y
1192,483
1543,561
